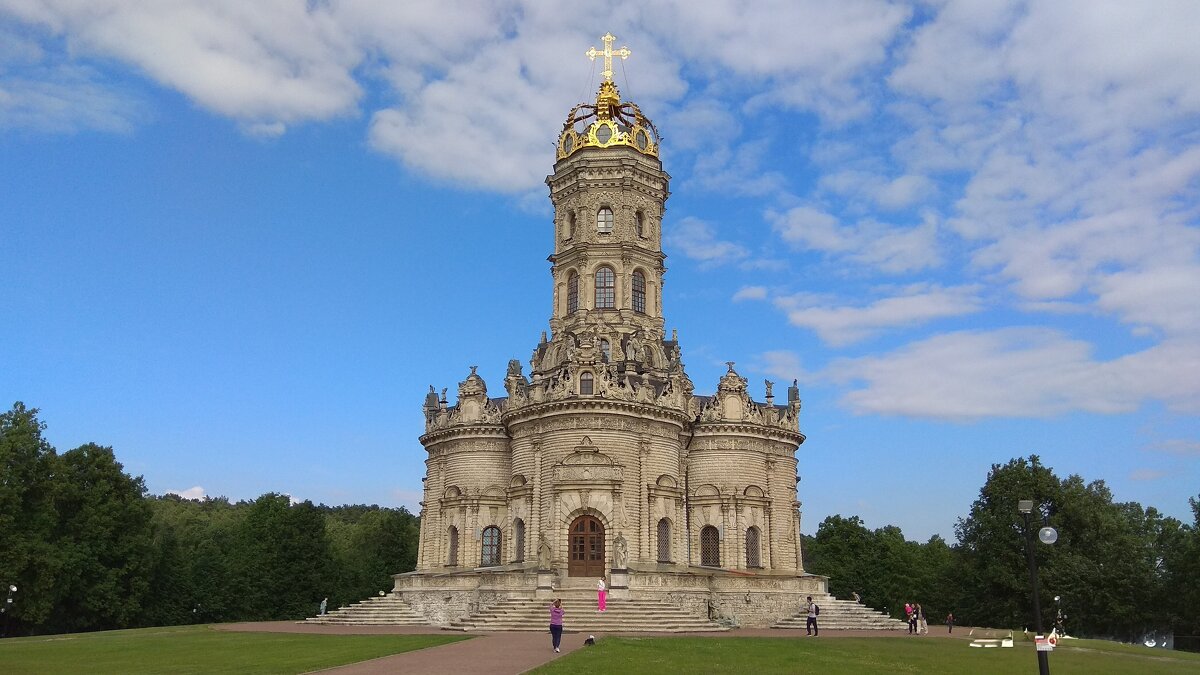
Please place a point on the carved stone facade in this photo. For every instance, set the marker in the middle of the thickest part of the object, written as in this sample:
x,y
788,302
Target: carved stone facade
x,y
603,450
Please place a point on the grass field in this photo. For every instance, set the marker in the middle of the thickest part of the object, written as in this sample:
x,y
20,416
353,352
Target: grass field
x,y
200,650
888,655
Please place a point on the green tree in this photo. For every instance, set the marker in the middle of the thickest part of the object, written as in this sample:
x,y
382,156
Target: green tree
x,y
282,562
991,543
369,545
104,538
27,517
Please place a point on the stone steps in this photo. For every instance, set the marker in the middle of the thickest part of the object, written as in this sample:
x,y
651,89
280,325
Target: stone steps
x,y
521,614
843,615
388,610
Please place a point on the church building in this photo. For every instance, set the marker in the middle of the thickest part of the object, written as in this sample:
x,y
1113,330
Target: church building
x,y
600,460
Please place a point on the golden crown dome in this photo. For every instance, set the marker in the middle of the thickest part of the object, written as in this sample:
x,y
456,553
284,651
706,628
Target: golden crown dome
x,y
609,122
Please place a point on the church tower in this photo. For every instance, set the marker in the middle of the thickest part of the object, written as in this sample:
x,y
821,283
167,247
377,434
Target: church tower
x,y
602,461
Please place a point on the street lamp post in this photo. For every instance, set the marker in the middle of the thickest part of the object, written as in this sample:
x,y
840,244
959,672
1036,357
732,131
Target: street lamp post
x,y
7,608
1047,535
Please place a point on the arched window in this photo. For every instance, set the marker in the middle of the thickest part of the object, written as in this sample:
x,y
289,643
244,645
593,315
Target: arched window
x,y
604,220
491,546
664,541
452,559
572,293
519,540
606,288
639,224
710,546
605,351
639,292
753,548
585,383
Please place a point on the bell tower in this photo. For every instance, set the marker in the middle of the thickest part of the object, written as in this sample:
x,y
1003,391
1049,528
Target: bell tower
x,y
609,192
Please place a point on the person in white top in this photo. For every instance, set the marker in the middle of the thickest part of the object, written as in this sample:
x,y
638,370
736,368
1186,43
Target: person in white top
x,y
601,595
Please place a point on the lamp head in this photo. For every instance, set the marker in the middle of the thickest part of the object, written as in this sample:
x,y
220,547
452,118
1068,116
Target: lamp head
x,y
1025,506
1048,535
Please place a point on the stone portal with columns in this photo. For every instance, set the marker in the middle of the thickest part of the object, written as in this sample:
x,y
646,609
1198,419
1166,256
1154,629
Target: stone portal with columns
x,y
601,459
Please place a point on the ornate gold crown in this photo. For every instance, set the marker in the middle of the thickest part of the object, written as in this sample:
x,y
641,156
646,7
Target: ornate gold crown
x,y
615,122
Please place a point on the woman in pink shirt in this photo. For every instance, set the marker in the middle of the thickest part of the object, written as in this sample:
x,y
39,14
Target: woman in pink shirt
x,y
556,615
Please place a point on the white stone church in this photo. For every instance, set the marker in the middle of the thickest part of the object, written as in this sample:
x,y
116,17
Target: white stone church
x,y
601,460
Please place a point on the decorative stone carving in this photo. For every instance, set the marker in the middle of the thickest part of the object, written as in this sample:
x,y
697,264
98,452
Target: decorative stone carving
x,y
620,552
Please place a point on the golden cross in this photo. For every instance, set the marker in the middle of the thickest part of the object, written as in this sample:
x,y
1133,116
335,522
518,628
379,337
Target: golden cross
x,y
608,53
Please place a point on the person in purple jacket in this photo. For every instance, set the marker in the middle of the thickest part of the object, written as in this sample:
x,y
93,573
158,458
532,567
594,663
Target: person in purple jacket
x,y
556,615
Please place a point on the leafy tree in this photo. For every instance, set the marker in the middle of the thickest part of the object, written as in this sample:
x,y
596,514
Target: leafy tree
x,y
991,542
369,545
103,537
27,517
282,559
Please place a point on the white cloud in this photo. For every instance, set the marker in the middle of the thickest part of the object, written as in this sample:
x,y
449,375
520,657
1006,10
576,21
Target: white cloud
x,y
841,325
783,364
869,242
890,194
1017,372
697,240
1147,474
1185,447
750,293
271,61
196,493
1074,124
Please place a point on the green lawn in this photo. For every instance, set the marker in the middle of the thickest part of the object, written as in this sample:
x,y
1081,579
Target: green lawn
x,y
199,649
890,655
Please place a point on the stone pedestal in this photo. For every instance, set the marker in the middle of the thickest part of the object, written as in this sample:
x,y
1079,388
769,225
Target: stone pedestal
x,y
545,584
619,589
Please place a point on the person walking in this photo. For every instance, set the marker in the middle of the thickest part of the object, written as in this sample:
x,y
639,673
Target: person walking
x,y
922,624
324,604
950,622
556,618
912,620
601,596
810,626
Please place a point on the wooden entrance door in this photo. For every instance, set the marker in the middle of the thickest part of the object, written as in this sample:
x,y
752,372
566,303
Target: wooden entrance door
x,y
587,548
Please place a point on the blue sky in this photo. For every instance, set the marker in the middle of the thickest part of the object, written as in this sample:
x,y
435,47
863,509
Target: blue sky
x,y
241,239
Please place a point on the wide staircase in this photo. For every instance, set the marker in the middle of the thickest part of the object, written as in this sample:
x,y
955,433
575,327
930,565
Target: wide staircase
x,y
386,610
843,615
641,615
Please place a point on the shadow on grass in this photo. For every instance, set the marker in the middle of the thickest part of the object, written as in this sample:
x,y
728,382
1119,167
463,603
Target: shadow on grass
x,y
199,650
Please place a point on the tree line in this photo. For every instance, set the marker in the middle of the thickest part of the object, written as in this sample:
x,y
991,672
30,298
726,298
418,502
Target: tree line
x,y
89,549
1120,570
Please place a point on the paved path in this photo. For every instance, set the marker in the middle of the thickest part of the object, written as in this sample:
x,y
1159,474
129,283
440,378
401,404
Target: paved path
x,y
508,653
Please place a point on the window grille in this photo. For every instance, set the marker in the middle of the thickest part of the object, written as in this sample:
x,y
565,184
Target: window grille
x,y
753,548
639,292
452,559
572,293
606,288
519,540
664,541
491,546
604,220
710,547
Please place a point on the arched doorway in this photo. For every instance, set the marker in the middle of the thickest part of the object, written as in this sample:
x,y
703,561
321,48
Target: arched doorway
x,y
586,547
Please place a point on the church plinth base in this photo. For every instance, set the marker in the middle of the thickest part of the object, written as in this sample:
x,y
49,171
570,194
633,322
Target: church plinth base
x,y
619,589
545,584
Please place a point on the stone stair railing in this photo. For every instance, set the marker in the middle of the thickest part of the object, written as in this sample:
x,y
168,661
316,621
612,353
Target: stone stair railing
x,y
386,610
843,615
634,615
